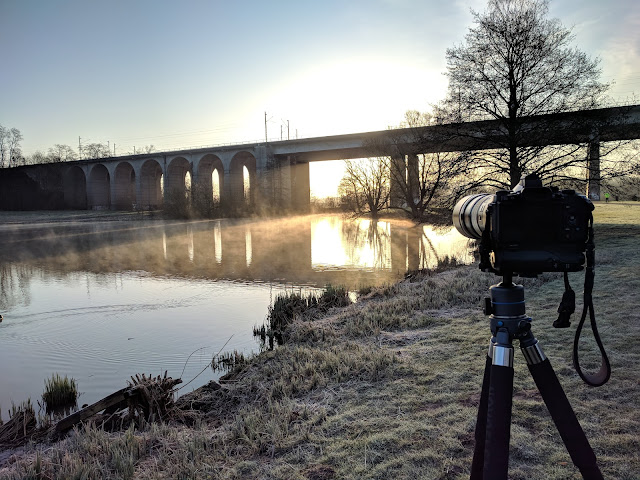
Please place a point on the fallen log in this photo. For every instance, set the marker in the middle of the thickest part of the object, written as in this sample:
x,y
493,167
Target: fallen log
x,y
87,412
146,397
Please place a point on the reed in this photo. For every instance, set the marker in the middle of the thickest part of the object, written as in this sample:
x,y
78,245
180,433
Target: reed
x,y
291,305
227,361
59,392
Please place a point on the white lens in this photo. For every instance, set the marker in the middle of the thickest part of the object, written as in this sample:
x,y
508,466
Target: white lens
x,y
470,214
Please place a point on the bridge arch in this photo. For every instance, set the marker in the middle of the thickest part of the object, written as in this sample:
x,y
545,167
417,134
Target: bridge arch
x,y
124,186
150,185
99,188
178,176
74,183
243,190
211,177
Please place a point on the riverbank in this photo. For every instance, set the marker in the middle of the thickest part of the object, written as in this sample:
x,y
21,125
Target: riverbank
x,y
37,217
388,388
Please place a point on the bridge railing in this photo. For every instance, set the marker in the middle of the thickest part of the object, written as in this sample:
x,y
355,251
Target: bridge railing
x,y
171,150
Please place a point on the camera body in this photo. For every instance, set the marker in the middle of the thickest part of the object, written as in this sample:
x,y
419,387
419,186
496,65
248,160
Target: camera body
x,y
529,230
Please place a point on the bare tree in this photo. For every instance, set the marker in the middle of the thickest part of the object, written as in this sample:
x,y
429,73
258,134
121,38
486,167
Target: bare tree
x,y
365,186
417,178
628,186
10,152
515,63
142,150
95,150
3,145
61,153
37,158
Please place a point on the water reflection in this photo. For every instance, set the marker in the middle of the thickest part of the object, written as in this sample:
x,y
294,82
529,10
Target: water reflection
x,y
99,301
311,250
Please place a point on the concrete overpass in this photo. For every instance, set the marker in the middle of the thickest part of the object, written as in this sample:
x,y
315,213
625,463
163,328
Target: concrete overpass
x,y
278,172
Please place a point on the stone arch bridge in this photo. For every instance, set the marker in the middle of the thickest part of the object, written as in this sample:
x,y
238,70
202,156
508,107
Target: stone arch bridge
x,y
277,173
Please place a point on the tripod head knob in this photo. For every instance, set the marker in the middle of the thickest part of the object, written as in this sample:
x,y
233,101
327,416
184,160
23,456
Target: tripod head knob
x,y
487,309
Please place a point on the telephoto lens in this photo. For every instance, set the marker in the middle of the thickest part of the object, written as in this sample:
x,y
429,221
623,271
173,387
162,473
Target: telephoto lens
x,y
470,214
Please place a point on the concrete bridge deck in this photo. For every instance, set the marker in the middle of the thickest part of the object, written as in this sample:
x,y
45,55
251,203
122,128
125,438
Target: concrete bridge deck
x,y
278,172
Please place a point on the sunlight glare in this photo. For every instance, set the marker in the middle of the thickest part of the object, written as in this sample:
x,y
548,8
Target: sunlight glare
x,y
187,184
327,248
248,248
324,178
246,183
190,247
441,240
335,243
217,241
215,185
342,96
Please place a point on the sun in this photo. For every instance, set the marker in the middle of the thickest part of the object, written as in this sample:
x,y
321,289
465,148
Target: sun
x,y
349,96
324,178
353,95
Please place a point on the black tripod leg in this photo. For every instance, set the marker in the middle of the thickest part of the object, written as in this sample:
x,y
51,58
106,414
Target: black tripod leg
x,y
496,452
481,425
561,412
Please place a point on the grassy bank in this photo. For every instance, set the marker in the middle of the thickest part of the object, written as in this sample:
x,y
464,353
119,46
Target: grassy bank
x,y
388,388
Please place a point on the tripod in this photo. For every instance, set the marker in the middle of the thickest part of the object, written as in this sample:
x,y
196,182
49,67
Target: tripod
x,y
508,321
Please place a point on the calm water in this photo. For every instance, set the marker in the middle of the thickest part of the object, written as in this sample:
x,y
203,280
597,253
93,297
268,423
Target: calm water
x,y
102,300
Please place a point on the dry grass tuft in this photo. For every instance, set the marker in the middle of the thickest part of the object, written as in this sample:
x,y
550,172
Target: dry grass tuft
x,y
21,426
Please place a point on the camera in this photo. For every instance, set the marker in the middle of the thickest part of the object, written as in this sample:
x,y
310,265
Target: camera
x,y
529,230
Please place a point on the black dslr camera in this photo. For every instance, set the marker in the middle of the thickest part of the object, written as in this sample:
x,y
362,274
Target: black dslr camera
x,y
529,230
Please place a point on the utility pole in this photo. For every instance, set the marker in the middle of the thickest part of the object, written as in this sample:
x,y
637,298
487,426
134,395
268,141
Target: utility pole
x,y
287,129
114,149
265,127
79,148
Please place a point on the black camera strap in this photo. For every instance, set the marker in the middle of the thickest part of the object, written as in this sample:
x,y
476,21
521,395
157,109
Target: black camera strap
x,y
567,305
602,376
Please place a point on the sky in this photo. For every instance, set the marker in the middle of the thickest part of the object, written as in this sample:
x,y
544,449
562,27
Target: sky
x,y
197,73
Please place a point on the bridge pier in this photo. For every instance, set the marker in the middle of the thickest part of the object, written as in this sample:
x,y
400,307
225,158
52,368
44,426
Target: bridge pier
x,y
285,183
397,173
113,193
300,186
413,176
139,205
404,179
593,170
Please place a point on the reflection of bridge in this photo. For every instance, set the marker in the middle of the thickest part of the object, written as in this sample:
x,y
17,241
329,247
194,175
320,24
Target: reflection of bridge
x,y
280,251
275,172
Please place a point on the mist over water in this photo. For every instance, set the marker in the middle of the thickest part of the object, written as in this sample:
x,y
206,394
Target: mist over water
x,y
102,300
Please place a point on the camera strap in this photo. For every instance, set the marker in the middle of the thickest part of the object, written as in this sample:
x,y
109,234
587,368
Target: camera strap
x,y
567,305
602,376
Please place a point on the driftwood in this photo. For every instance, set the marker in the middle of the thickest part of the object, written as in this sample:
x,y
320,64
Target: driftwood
x,y
87,412
154,399
148,398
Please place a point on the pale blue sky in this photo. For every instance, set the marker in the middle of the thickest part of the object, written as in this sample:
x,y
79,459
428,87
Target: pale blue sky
x,y
178,74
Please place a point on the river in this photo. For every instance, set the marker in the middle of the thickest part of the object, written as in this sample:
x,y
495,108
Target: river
x,y
100,298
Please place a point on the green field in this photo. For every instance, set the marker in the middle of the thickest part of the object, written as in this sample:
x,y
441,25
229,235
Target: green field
x,y
388,388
